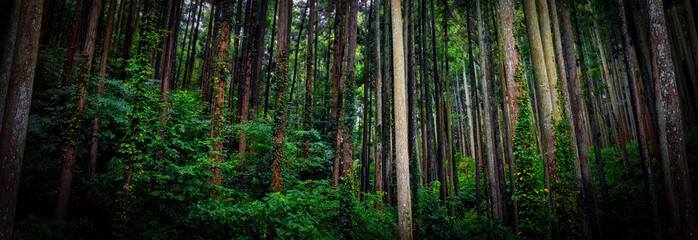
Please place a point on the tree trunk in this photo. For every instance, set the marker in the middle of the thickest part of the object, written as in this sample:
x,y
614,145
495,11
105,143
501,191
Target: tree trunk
x,y
378,159
270,64
218,114
497,199
94,146
590,223
86,56
295,58
337,88
511,68
636,101
543,91
14,128
310,60
672,148
74,44
282,55
402,148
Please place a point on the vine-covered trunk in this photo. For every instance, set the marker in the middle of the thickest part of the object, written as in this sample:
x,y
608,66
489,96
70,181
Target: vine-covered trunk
x,y
218,113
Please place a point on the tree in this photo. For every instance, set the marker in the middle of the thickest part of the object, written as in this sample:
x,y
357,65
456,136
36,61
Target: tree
x,y
511,65
218,114
640,127
309,74
497,199
671,137
86,55
15,117
337,87
378,159
590,217
401,142
280,87
94,147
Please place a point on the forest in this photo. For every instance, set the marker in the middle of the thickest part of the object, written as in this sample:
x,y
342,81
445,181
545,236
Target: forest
x,y
348,119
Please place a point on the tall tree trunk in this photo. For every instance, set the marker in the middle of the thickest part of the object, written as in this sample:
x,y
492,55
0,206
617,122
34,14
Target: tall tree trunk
x,y
349,76
130,31
636,101
337,87
483,42
378,159
247,83
511,68
310,60
191,55
282,56
543,90
402,148
477,153
8,45
86,56
73,44
14,128
260,28
94,146
440,160
593,125
295,58
590,223
270,64
218,114
672,147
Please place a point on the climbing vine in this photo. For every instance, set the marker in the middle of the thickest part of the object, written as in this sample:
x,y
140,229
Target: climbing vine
x,y
529,192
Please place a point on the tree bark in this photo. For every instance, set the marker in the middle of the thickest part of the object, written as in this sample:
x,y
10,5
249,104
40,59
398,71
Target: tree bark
x,y
378,159
671,147
337,88
282,55
16,113
483,42
94,146
401,145
310,60
636,101
588,195
218,114
511,68
86,57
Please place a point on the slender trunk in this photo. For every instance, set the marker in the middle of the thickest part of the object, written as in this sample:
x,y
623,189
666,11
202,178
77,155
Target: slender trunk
x,y
310,60
218,113
636,101
588,195
483,42
189,65
511,68
337,88
86,57
73,44
282,55
270,65
94,146
476,116
295,58
378,159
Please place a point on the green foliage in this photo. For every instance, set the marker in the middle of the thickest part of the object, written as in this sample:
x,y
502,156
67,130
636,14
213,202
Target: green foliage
x,y
433,222
309,210
565,181
529,192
